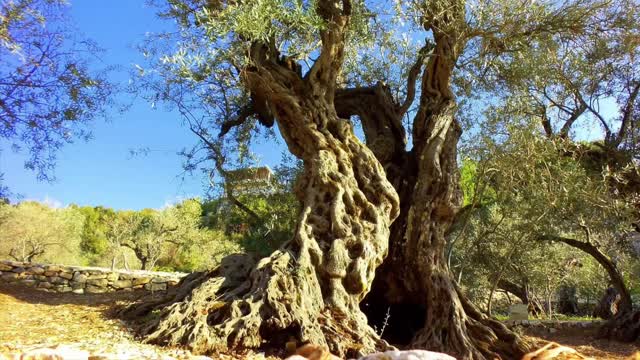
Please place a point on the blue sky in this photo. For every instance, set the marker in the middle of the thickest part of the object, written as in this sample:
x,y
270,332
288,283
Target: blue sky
x,y
102,171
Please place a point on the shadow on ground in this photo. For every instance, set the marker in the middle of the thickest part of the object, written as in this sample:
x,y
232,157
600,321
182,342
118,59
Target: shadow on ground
x,y
587,342
33,296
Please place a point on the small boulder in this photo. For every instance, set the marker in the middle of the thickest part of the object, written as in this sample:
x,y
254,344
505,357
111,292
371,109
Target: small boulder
x,y
408,355
122,284
98,282
155,287
45,285
79,277
53,268
91,289
36,270
66,275
140,281
10,277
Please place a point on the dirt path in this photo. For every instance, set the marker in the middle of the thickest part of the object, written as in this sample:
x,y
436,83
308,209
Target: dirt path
x,y
586,342
33,319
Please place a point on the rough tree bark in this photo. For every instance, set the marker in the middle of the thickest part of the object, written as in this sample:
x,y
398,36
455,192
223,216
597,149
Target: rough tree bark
x,y
427,309
310,289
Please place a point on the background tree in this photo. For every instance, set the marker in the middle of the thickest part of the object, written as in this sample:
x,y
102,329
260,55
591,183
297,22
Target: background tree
x,y
95,243
49,92
34,232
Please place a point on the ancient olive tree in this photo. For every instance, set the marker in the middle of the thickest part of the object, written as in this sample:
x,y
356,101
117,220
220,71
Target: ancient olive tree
x,y
315,69
48,91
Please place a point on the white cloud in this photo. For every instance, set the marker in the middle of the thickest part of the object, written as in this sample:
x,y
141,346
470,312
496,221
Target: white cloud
x,y
172,201
49,201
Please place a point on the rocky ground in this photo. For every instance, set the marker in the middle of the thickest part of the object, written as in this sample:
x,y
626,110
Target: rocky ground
x,y
32,319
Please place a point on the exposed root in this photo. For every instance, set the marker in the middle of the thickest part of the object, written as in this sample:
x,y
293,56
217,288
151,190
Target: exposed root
x,y
458,328
246,305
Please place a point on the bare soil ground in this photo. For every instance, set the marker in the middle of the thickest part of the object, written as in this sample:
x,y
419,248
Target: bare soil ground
x,y
586,341
33,319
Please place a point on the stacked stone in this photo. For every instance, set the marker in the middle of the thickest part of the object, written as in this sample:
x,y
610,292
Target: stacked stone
x,y
80,280
555,324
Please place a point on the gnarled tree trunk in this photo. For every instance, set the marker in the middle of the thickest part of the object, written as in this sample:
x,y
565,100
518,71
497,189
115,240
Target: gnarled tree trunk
x,y
310,289
414,285
426,308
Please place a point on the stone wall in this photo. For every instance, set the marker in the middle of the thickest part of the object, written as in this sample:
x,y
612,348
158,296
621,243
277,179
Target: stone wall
x,y
80,280
552,326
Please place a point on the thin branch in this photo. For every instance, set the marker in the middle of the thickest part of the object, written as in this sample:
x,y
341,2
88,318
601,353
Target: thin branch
x,y
627,115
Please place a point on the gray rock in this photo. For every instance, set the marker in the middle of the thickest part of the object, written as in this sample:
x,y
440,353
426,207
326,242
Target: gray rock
x,y
155,287
112,277
29,282
90,289
98,282
50,273
66,275
122,284
64,289
140,281
53,268
77,285
78,291
159,280
19,270
553,330
41,277
405,355
10,277
36,270
79,277
45,285
58,280
14,263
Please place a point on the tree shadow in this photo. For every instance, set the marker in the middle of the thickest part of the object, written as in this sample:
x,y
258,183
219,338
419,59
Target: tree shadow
x,y
40,297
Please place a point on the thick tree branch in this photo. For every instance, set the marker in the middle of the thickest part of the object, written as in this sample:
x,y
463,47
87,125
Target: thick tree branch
x,y
604,261
244,113
575,114
380,117
325,70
